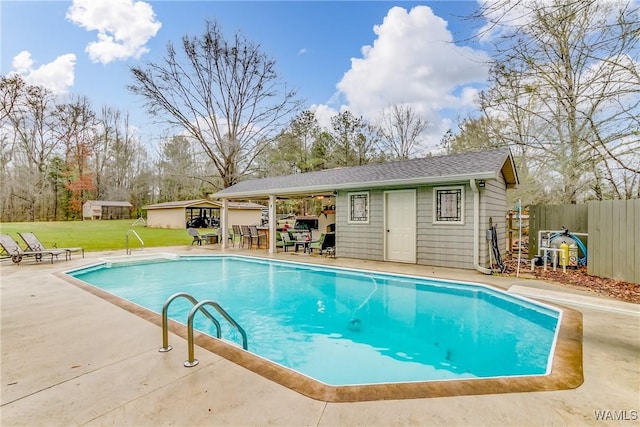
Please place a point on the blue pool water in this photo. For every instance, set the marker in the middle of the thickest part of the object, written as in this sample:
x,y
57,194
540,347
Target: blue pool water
x,y
346,327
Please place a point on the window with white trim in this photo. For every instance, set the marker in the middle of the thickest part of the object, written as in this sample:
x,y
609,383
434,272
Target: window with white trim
x,y
448,205
358,207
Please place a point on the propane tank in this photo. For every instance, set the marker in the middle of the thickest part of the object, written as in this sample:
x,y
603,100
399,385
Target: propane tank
x,y
564,254
573,256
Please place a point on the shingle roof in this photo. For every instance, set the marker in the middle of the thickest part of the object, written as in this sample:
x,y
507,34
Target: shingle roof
x,y
429,170
181,204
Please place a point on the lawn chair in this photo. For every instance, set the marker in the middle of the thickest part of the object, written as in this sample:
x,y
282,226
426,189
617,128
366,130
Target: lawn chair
x,y
231,236
11,247
283,240
197,238
35,245
317,244
237,235
326,243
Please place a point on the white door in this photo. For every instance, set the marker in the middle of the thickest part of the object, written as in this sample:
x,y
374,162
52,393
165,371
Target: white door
x,y
400,225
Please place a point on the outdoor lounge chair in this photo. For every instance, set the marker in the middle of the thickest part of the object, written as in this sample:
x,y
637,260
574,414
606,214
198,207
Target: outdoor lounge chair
x,y
13,249
197,237
283,240
35,245
324,243
317,244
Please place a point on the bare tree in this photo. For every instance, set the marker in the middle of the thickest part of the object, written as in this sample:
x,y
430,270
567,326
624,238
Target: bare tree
x,y
28,120
75,128
180,175
225,95
400,129
566,77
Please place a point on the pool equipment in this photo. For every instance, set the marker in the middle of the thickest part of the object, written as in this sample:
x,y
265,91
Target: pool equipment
x,y
573,256
355,324
564,254
495,248
550,250
556,238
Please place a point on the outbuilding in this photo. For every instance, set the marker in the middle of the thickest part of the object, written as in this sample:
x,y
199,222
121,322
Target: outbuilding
x,y
104,209
201,213
431,211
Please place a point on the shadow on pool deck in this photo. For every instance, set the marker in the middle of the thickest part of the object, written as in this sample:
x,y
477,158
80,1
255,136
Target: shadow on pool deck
x,y
70,358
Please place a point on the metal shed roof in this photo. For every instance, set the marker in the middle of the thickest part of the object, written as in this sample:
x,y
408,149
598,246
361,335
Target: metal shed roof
x,y
108,203
202,203
428,170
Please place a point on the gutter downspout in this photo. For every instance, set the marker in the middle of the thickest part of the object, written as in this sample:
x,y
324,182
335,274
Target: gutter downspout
x,y
476,228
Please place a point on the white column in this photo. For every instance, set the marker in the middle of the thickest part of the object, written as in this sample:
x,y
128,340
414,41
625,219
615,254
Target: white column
x,y
272,223
224,220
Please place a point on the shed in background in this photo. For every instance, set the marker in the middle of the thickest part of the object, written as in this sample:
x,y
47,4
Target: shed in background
x,y
102,209
177,214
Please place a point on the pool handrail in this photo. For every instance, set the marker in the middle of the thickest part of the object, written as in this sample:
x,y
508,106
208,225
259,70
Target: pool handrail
x,y
129,251
192,361
165,310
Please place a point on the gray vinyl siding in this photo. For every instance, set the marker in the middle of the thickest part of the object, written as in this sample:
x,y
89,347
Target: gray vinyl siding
x,y
438,245
444,245
364,241
493,204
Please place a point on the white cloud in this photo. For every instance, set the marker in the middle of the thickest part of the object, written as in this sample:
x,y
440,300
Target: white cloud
x,y
414,61
57,76
124,27
323,114
22,62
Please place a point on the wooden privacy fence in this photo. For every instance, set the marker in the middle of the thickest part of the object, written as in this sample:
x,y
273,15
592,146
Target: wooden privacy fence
x,y
613,227
614,233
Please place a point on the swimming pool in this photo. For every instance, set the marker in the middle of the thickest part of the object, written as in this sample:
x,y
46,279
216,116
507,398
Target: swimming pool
x,y
344,327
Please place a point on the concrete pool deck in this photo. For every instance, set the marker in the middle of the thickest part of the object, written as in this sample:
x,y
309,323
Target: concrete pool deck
x,y
71,358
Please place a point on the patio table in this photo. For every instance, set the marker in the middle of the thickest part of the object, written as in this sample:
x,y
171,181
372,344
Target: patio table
x,y
211,238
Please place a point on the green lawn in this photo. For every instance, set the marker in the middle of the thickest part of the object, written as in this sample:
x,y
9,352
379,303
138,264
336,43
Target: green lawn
x,y
96,235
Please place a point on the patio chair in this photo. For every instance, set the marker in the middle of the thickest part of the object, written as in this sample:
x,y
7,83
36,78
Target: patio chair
x,y
34,244
283,240
11,247
231,236
317,244
246,235
197,237
326,243
257,235
237,235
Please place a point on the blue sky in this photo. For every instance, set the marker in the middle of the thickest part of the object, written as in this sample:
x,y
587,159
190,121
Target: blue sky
x,y
356,55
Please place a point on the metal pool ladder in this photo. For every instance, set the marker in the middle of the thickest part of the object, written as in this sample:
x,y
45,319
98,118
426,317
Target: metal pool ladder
x,y
139,240
197,306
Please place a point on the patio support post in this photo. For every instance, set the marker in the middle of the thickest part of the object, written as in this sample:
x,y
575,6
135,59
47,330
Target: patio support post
x,y
476,228
272,224
224,220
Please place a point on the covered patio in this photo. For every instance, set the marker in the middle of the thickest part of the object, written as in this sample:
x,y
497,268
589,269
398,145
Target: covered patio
x,y
428,211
